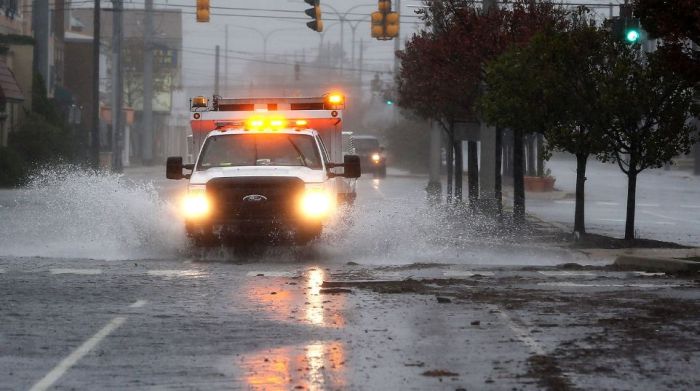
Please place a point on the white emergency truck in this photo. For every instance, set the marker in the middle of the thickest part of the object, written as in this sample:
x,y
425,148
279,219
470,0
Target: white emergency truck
x,y
265,168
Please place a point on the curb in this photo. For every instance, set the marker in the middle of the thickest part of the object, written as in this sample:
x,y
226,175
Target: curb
x,y
655,264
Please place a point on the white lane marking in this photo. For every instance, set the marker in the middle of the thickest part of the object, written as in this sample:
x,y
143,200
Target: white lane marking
x,y
76,271
665,222
465,273
606,203
568,284
613,220
669,217
269,274
690,206
564,273
138,304
176,273
567,202
648,205
523,333
65,364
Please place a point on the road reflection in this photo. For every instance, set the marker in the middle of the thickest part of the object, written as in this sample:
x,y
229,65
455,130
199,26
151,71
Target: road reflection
x,y
316,366
291,301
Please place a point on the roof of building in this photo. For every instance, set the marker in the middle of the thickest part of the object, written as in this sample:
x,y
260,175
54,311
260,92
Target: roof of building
x,y
9,89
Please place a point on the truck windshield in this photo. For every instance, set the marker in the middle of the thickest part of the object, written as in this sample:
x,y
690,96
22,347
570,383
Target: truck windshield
x,y
260,149
366,144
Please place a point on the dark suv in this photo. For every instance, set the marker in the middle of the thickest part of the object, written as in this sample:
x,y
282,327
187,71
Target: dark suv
x,y
372,158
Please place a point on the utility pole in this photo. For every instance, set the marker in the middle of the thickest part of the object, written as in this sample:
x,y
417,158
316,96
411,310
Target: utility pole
x,y
397,39
117,86
226,61
147,123
95,131
40,25
216,72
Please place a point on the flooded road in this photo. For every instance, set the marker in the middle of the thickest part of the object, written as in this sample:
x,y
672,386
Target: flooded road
x,y
397,297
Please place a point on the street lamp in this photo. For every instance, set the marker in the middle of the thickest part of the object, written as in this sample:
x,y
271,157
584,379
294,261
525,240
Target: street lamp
x,y
343,19
265,35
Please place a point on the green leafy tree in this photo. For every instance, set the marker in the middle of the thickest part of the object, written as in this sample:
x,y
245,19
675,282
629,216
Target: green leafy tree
x,y
677,22
650,106
560,98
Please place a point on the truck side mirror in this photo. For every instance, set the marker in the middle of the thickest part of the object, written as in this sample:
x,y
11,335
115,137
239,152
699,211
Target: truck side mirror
x,y
351,163
173,168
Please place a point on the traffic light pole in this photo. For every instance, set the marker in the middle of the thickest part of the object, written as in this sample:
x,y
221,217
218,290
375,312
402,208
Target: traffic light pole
x,y
147,124
490,152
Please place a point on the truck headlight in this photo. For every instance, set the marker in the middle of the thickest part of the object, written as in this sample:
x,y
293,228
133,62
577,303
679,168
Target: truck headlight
x,y
376,158
315,203
196,204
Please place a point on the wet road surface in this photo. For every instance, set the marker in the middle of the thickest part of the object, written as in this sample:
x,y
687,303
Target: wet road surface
x,y
391,301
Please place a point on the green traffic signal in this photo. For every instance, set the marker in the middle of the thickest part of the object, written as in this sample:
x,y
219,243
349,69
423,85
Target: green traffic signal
x,y
389,102
632,35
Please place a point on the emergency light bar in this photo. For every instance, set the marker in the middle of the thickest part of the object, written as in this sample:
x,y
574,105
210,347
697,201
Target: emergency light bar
x,y
330,101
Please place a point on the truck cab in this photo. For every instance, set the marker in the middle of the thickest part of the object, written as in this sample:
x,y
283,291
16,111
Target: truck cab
x,y
265,174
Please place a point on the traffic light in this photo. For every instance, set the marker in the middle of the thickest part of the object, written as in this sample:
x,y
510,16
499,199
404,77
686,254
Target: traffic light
x,y
627,30
316,24
632,31
385,24
203,11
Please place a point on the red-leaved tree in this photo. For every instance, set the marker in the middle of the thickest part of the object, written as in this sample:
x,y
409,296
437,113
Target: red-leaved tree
x,y
442,66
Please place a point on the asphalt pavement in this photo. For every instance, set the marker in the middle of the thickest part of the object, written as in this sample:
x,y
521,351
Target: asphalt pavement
x,y
99,290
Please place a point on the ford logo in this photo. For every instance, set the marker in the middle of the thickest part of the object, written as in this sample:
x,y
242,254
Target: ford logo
x,y
254,198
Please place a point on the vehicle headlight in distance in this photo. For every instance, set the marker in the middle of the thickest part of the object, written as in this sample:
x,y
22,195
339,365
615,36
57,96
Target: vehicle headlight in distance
x,y
315,203
376,158
195,204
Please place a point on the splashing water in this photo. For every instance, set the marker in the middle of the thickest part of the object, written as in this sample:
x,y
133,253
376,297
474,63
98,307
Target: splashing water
x,y
72,213
408,230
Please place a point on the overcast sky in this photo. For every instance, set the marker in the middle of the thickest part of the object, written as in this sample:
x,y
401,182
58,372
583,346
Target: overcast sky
x,y
284,22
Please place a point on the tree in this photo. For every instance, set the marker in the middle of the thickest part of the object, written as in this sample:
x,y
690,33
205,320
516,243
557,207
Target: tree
x,y
558,99
676,22
650,106
441,72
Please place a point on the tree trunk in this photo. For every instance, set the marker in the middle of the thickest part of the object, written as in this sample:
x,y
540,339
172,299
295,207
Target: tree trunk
x,y
518,181
499,177
540,159
579,214
459,169
450,166
631,196
473,171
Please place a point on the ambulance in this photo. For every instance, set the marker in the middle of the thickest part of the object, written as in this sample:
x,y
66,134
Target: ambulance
x,y
271,169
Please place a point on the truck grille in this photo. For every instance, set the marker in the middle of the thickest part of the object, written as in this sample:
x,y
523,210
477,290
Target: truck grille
x,y
254,198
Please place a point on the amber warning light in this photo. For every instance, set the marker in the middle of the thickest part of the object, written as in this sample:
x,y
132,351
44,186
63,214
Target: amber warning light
x,y
335,101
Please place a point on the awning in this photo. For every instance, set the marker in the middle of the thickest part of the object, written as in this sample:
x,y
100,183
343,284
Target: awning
x,y
9,89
